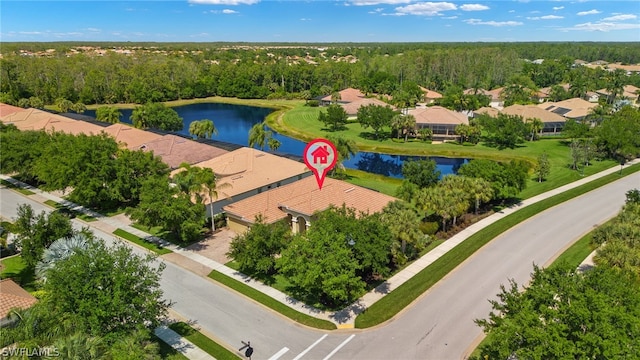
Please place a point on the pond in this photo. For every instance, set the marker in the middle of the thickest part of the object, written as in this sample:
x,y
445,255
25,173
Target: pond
x,y
234,122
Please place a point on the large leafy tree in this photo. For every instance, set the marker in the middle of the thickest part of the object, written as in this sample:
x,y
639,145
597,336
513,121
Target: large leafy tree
x,y
564,314
256,250
20,151
504,131
166,206
131,169
619,136
112,290
619,240
156,116
543,167
375,116
423,173
335,117
507,179
36,232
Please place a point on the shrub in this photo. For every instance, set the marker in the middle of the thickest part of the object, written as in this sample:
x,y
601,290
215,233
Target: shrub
x,y
429,227
313,103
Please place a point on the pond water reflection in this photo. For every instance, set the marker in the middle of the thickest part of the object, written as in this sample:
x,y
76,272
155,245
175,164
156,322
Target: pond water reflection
x,y
234,122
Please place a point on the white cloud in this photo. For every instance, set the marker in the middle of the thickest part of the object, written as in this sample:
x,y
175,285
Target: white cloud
x,y
473,7
556,8
229,11
546,17
449,17
93,30
224,2
511,11
377,2
425,8
590,12
602,26
30,32
620,17
493,23
305,19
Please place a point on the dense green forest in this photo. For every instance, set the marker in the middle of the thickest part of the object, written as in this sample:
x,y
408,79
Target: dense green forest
x,y
139,73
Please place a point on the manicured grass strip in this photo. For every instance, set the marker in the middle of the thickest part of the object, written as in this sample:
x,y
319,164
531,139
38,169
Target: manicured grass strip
x,y
384,184
135,239
16,269
268,301
16,188
198,339
406,293
78,214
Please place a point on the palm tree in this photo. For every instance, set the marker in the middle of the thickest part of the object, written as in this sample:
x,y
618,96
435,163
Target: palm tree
x,y
81,346
615,84
397,123
202,129
535,126
63,105
188,181
259,135
79,108
481,191
209,183
408,124
273,143
60,250
346,148
109,114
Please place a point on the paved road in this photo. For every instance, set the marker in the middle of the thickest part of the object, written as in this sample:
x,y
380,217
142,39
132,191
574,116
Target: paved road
x,y
438,326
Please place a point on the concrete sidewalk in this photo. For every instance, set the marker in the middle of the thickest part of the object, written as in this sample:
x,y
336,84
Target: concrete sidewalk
x,y
182,345
344,318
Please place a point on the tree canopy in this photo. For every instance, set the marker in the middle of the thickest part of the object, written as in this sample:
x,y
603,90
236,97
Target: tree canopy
x,y
156,116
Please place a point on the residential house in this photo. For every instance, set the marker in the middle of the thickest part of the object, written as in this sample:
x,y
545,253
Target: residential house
x,y
487,110
494,95
296,203
346,96
592,96
129,136
352,108
430,96
6,109
441,121
574,108
12,296
246,172
35,119
175,150
553,123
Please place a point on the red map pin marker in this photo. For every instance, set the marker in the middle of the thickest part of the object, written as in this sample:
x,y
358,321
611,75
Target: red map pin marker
x,y
320,155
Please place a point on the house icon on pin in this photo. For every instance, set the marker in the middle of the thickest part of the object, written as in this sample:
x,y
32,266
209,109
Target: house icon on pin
x,y
320,155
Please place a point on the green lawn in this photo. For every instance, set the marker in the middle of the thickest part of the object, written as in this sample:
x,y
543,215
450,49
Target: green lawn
x,y
398,299
16,188
166,351
135,239
384,184
270,302
200,340
16,269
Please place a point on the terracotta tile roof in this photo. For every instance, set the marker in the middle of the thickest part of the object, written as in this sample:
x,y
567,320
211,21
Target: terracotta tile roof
x,y
438,115
430,94
6,109
630,91
352,107
248,169
532,111
495,93
175,150
347,95
13,296
487,110
574,108
74,127
29,119
304,197
130,136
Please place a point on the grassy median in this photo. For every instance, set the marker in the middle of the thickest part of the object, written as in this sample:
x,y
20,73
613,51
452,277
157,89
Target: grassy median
x,y
139,241
405,294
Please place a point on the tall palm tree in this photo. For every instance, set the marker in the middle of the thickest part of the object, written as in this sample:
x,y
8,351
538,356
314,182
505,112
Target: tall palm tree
x,y
109,114
535,126
259,135
481,191
60,250
346,148
63,105
203,129
209,183
189,182
273,143
408,125
81,346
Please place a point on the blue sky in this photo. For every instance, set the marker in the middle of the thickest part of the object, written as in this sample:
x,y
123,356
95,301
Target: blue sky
x,y
320,21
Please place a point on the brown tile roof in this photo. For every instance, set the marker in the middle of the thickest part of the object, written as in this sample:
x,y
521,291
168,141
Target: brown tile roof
x,y
175,150
430,94
130,136
13,296
247,169
495,93
304,197
573,108
347,95
531,112
71,126
6,109
438,115
34,119
630,91
352,107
